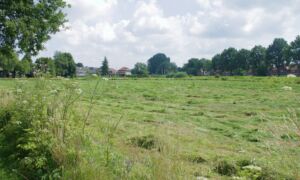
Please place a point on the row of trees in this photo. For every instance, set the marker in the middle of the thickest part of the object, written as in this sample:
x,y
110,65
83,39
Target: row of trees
x,y
62,64
275,59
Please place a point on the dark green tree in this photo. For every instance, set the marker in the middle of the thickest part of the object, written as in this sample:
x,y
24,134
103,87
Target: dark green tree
x,y
160,64
8,62
157,63
64,64
276,55
295,51
258,64
242,60
140,69
193,67
79,65
216,64
104,68
26,25
229,60
24,68
197,66
45,65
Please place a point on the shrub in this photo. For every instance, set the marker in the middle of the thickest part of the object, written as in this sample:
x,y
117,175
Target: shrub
x,y
35,129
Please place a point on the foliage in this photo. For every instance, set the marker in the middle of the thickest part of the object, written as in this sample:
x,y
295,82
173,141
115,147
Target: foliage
x,y
27,25
258,63
45,65
104,68
64,64
177,75
8,62
197,66
140,69
79,65
276,54
161,64
37,130
295,50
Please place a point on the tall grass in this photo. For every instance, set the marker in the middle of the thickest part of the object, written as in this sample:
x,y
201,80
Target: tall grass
x,y
39,129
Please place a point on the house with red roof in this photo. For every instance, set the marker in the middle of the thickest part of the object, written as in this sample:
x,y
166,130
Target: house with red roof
x,y
124,71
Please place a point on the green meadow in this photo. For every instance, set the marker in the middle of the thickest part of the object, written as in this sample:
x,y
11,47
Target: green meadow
x,y
190,128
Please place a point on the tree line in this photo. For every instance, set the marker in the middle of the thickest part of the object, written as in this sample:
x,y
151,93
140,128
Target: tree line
x,y
276,59
62,64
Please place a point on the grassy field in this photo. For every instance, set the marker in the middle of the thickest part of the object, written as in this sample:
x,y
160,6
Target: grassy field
x,y
189,128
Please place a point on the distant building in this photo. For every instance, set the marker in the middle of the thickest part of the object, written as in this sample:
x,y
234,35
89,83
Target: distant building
x,y
85,71
124,71
81,71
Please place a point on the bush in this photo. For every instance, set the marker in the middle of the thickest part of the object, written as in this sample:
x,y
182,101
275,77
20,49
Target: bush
x,y
177,75
35,129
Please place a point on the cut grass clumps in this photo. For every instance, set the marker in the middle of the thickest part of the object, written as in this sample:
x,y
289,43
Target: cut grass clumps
x,y
290,137
225,168
247,169
146,142
196,159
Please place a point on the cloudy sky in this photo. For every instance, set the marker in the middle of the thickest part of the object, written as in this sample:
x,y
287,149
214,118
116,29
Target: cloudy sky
x,y
130,31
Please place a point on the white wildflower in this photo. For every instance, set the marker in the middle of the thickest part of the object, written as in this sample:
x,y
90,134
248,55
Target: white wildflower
x,y
201,178
287,88
78,91
291,76
105,79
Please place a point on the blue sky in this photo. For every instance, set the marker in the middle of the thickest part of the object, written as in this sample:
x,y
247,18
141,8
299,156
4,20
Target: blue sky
x,y
130,31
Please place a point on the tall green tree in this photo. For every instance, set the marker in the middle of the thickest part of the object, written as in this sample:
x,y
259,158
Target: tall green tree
x,y
258,63
276,54
8,62
45,65
64,64
26,25
229,59
217,64
104,67
160,64
242,62
24,67
295,51
140,69
197,66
